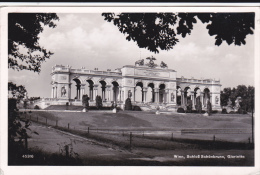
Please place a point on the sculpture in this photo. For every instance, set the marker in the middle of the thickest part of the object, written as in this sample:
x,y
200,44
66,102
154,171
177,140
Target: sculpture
x,y
163,65
140,62
63,92
151,63
172,96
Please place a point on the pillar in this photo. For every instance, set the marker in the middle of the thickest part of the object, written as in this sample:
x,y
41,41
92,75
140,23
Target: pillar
x,y
156,95
52,92
108,93
69,91
182,98
144,94
82,91
95,88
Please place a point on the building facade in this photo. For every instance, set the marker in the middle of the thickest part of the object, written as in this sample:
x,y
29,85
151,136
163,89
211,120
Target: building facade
x,y
147,85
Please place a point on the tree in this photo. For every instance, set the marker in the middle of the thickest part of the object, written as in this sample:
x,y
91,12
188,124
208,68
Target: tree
x,y
99,102
85,101
246,94
24,51
159,30
18,92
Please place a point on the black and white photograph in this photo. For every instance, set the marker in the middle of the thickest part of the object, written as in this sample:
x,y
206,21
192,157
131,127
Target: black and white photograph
x,y
130,87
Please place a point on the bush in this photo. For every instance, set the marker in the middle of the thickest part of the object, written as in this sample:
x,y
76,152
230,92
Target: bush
x,y
137,108
241,111
214,112
99,102
232,112
224,111
128,104
180,110
36,107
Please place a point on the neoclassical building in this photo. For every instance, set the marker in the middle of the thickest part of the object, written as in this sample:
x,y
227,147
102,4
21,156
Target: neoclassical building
x,y
146,84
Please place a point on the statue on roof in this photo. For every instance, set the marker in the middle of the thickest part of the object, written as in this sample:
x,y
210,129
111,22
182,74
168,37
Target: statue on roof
x,y
163,65
151,63
140,62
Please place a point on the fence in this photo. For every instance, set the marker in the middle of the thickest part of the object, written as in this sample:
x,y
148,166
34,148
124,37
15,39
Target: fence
x,y
131,139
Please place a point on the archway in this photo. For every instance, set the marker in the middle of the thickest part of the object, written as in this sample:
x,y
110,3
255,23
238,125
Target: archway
x,y
162,94
206,96
115,91
139,92
187,95
75,92
90,90
102,90
197,94
150,93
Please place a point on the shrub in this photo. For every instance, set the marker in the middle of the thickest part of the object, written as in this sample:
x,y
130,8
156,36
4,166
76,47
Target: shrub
x,y
137,108
214,112
128,104
99,102
36,107
180,110
241,111
232,112
224,111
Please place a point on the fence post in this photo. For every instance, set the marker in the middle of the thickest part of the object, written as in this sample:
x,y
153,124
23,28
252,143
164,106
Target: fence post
x,y
123,134
26,142
249,140
131,140
214,138
68,126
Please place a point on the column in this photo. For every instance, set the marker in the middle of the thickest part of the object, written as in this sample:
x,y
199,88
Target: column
x,y
192,99
144,94
52,91
82,91
156,95
108,93
182,98
95,91
201,98
55,92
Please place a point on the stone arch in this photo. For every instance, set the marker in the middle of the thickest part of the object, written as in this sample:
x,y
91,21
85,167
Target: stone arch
x,y
206,95
115,90
90,89
76,92
187,94
102,89
139,93
150,92
162,93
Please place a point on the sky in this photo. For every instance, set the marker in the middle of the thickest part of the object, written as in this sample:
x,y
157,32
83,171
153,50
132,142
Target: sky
x,y
87,40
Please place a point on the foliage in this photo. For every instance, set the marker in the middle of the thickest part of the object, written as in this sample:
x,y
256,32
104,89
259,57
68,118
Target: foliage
x,y
160,30
224,111
128,104
18,92
189,106
85,101
209,108
34,98
246,93
198,105
36,107
180,110
24,51
99,102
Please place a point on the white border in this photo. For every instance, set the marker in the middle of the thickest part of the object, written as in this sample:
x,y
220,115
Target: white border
x,y
119,7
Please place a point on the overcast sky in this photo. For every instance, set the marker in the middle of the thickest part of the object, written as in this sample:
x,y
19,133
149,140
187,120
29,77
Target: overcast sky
x,y
87,40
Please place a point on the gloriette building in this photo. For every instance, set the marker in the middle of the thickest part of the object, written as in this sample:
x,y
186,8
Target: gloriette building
x,y
148,85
